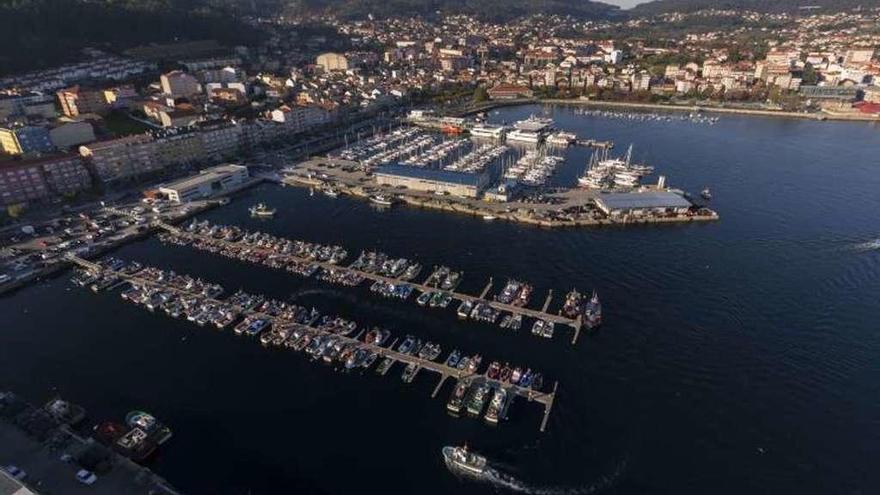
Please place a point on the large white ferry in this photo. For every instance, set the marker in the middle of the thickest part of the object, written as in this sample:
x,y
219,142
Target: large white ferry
x,y
532,130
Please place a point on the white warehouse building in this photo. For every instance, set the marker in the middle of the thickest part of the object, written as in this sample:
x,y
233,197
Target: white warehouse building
x,y
208,183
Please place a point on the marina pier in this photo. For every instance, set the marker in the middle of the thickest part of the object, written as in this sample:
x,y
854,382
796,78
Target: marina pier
x,y
575,324
444,371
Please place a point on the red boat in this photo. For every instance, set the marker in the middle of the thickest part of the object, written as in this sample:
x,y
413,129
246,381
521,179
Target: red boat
x,y
494,370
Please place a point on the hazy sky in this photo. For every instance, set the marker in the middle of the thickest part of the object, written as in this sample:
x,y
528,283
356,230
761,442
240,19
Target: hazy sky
x,y
624,3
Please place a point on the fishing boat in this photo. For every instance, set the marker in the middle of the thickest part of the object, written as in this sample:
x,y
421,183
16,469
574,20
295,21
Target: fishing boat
x,y
496,405
261,210
461,460
573,304
478,399
454,357
494,370
593,312
515,375
456,400
706,193
156,431
504,375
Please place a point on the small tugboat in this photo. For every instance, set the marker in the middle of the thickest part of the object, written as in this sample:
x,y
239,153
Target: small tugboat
x,y
461,460
261,210
706,193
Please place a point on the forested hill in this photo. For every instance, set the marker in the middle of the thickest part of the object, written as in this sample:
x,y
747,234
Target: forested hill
x,y
486,9
664,6
39,33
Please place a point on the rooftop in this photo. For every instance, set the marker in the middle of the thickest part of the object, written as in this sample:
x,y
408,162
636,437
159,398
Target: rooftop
x,y
449,176
657,199
207,175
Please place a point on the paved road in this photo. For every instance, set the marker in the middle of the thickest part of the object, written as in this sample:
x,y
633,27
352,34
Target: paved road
x,y
48,474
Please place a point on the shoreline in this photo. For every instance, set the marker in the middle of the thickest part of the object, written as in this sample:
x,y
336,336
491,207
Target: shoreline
x,y
854,117
358,191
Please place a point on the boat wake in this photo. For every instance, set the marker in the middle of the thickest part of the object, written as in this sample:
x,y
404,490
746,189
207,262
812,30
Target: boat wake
x,y
872,245
507,481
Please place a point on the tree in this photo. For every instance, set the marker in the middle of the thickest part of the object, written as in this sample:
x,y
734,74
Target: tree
x,y
809,77
15,210
481,95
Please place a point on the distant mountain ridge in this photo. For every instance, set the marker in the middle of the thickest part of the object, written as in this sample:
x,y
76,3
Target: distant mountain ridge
x,y
665,6
489,9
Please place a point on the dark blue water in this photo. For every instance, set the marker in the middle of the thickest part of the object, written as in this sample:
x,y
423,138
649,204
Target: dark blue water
x,y
737,357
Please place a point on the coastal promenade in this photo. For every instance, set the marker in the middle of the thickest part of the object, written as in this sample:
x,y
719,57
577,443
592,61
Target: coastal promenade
x,y
544,398
574,324
852,116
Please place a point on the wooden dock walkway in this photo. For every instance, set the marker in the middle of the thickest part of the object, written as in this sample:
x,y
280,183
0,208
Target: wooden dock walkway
x,y
575,324
440,368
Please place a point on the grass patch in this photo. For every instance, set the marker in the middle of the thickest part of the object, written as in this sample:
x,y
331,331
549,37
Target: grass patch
x,y
121,124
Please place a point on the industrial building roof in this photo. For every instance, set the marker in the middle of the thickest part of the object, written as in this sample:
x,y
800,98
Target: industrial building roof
x,y
449,176
629,201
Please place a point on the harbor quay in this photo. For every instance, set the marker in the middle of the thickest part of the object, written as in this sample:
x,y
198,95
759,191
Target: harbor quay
x,y
328,339
50,453
307,265
567,207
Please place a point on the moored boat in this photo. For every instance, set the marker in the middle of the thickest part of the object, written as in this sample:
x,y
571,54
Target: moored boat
x,y
496,405
261,210
456,400
593,312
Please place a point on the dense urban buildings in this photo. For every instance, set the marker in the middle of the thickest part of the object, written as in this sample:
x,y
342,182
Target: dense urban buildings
x,y
212,102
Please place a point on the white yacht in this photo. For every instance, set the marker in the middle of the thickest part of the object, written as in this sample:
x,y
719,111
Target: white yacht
x,y
488,131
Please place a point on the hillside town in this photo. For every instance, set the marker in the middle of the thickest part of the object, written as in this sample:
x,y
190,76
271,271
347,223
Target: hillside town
x,y
111,121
